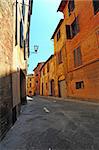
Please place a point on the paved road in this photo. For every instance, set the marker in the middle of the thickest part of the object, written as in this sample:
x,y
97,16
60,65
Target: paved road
x,y
48,124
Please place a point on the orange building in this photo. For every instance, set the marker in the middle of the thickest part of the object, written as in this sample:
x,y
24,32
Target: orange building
x,y
30,85
47,80
37,78
82,47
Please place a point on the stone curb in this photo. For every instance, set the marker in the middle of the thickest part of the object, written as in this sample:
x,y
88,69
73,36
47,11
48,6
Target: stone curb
x,y
72,100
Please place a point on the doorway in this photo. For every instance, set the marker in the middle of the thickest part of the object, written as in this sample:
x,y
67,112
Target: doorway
x,y
62,88
22,87
14,115
52,88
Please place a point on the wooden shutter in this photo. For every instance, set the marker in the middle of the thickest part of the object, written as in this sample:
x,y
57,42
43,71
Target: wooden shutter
x,y
79,55
16,18
96,6
24,50
68,31
21,34
77,24
75,57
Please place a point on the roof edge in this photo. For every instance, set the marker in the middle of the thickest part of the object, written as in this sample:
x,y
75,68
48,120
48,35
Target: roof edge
x,y
59,24
62,5
47,61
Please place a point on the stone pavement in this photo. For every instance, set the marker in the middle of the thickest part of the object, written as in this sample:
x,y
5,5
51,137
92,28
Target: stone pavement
x,y
53,124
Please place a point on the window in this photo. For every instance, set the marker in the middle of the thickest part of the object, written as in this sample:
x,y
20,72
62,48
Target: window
x,y
30,84
46,85
59,57
73,29
24,50
71,6
23,9
96,6
43,71
80,85
27,41
21,34
58,35
68,31
16,18
77,57
47,67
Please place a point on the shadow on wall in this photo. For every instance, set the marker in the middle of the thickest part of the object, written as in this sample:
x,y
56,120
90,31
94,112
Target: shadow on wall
x,y
12,95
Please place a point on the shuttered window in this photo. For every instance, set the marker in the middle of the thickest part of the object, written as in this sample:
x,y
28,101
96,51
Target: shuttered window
x,y
24,50
21,34
23,9
59,57
43,71
16,18
96,6
71,6
73,29
77,57
30,84
47,67
68,31
58,35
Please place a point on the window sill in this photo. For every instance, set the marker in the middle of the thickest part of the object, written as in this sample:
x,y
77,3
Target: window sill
x,y
88,63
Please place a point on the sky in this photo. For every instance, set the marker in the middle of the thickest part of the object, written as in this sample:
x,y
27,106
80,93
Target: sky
x,y
44,21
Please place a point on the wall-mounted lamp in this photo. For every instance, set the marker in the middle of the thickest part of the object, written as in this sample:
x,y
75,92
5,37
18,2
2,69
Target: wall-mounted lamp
x,y
35,49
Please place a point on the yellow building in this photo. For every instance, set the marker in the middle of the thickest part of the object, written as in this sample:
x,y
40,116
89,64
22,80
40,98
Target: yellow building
x,y
47,79
14,51
60,59
30,85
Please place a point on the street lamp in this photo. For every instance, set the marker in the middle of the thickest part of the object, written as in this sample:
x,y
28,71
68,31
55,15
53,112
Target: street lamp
x,y
35,49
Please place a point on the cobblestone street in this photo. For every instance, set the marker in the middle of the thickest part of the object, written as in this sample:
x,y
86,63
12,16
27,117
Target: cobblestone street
x,y
53,124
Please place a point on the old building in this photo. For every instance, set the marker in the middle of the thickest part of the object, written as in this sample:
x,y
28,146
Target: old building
x,y
82,47
37,77
60,59
14,51
30,85
6,53
47,80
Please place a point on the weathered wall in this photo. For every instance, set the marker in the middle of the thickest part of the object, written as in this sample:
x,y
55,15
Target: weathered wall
x,y
88,40
37,76
47,76
30,89
60,68
6,48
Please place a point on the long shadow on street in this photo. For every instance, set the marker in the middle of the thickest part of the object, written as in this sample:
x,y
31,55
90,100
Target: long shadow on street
x,y
52,124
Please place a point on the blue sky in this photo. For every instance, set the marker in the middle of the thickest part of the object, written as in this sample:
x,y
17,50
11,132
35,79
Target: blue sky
x,y
43,23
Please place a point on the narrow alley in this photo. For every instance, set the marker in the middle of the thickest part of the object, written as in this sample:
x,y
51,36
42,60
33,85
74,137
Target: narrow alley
x,y
54,124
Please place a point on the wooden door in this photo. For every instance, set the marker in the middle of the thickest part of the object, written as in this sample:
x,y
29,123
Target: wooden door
x,y
52,88
62,89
